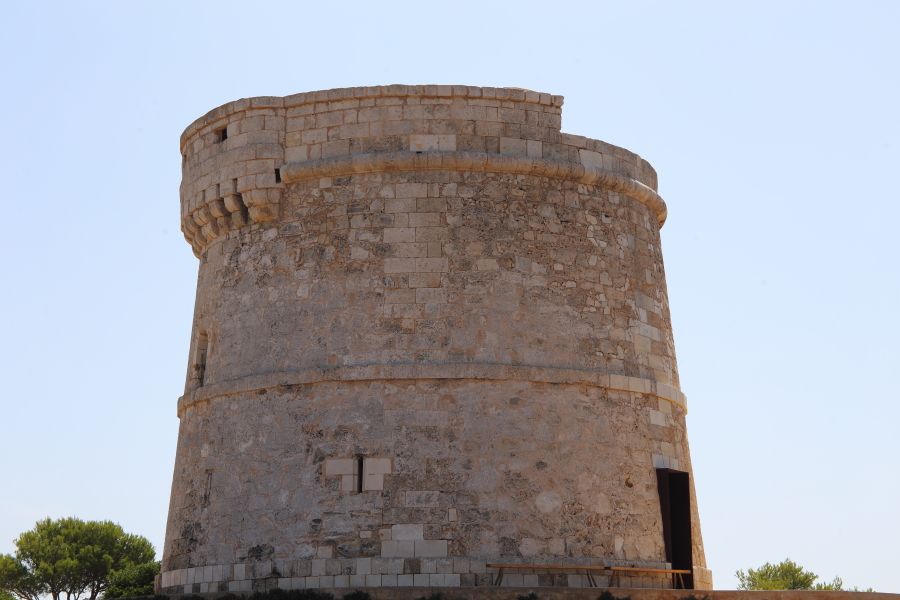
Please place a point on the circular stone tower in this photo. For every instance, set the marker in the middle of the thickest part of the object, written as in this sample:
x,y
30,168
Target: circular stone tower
x,y
431,334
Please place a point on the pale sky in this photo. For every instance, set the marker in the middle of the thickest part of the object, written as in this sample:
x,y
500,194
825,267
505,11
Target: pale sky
x,y
775,130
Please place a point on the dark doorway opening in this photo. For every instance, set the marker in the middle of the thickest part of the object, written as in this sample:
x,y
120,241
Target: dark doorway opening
x,y
675,505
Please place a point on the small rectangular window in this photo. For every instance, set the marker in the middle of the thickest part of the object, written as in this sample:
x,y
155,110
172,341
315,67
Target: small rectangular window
x,y
221,134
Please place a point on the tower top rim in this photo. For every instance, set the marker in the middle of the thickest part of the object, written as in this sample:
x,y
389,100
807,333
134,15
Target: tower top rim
x,y
512,94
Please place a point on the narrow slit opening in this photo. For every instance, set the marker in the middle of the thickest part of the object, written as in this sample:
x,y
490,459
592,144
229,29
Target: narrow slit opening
x,y
359,473
200,359
207,488
277,175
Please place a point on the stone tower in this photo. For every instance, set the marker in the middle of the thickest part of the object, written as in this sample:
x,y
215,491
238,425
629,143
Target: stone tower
x,y
431,333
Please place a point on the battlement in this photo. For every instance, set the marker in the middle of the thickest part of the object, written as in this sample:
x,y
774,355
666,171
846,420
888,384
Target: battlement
x,y
237,158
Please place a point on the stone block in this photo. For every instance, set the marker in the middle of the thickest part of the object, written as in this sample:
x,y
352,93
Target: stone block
x,y
658,418
430,265
424,280
318,566
431,548
409,531
411,190
399,234
405,580
431,234
373,580
377,466
513,147
487,264
421,580
363,566
399,296
401,265
400,205
374,481
425,498
422,143
398,548
431,205
426,219
340,466
409,250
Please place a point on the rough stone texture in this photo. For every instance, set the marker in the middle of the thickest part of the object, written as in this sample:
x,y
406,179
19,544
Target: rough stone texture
x,y
405,592
431,332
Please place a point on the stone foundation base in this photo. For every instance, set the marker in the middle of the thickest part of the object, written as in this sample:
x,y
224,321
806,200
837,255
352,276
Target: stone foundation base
x,y
341,575
340,584
504,593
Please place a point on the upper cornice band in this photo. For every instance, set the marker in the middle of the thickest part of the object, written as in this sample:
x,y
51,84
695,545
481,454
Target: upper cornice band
x,y
479,162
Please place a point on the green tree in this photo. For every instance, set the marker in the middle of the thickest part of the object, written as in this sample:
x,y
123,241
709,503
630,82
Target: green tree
x,y
786,575
70,558
133,580
16,580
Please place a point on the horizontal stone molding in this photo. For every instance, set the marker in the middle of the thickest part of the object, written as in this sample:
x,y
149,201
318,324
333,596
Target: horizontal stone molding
x,y
438,160
291,574
459,371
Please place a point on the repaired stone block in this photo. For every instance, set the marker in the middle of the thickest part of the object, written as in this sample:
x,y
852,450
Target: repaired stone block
x,y
413,531
431,548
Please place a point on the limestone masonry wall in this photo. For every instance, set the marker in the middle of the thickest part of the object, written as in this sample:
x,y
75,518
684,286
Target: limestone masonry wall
x,y
431,332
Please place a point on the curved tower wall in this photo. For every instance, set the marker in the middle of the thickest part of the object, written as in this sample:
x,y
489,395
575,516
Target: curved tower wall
x,y
431,332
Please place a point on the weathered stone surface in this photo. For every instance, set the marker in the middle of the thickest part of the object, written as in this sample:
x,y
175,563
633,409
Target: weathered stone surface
x,y
431,333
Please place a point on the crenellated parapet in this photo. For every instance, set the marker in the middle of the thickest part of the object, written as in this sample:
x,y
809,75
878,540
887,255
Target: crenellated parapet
x,y
236,156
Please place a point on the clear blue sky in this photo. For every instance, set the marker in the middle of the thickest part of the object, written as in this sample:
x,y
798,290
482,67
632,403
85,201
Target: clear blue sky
x,y
775,129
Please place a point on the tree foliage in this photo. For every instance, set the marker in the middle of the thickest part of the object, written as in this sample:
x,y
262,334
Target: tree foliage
x,y
786,575
133,580
70,558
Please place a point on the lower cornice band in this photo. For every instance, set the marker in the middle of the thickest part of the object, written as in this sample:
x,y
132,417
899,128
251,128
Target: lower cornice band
x,y
452,371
